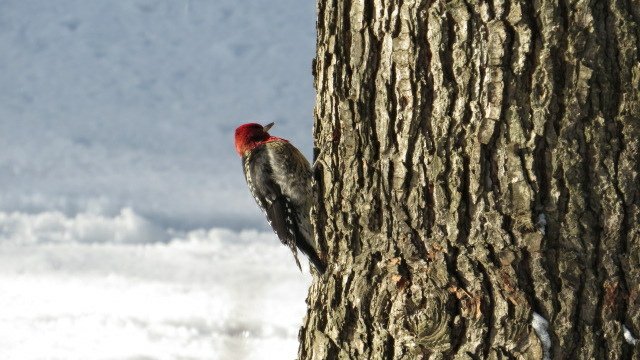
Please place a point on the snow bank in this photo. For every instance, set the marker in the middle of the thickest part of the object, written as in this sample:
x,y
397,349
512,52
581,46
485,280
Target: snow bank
x,y
55,227
99,287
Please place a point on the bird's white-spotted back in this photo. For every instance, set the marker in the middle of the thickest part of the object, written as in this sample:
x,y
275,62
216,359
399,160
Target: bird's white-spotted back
x,y
291,171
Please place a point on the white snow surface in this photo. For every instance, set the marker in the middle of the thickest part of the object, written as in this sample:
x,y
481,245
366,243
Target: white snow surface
x,y
111,104
628,337
69,293
541,327
123,209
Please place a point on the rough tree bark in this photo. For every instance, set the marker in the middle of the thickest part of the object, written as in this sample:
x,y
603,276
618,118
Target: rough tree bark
x,y
481,164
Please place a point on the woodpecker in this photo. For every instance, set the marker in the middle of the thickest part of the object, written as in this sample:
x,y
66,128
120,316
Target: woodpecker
x,y
279,178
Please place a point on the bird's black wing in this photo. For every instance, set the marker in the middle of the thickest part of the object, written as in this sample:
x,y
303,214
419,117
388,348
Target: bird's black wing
x,y
276,206
282,220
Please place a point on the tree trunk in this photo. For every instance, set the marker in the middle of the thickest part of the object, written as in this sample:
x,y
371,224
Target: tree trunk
x,y
479,163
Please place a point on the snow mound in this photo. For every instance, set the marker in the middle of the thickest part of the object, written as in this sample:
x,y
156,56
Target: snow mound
x,y
100,287
55,227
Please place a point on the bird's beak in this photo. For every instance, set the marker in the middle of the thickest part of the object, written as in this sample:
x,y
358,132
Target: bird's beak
x,y
267,127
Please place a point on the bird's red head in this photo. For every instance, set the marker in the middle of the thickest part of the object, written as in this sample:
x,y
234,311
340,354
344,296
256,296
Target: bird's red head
x,y
251,135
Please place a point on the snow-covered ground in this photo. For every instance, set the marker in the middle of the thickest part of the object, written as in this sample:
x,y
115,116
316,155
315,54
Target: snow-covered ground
x,y
67,293
116,146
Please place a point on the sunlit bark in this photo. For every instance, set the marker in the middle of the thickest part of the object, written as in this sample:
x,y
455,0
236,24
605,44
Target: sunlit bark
x,y
482,164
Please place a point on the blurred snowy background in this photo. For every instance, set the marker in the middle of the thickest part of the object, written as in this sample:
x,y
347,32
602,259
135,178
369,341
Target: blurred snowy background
x,y
126,229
